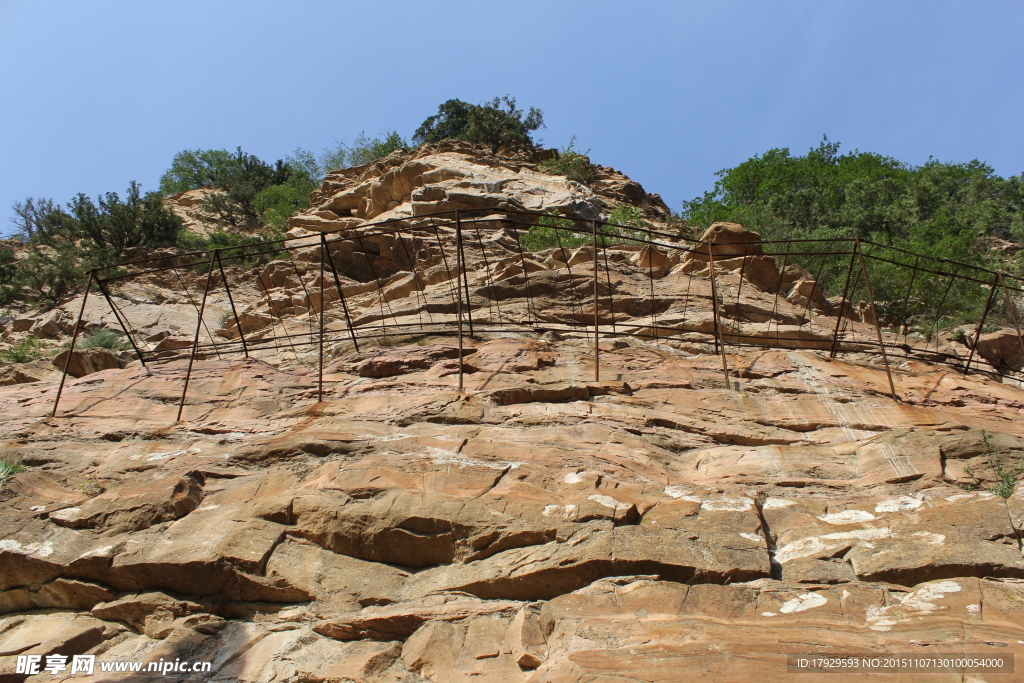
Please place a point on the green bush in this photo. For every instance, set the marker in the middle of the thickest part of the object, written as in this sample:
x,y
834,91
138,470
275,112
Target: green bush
x,y
48,275
277,203
365,151
241,250
248,191
570,163
192,169
497,124
630,216
63,244
937,209
101,338
552,231
238,183
25,351
10,288
115,225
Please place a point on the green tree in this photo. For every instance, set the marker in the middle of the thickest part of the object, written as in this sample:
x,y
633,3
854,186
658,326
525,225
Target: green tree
x,y
497,124
305,163
64,243
450,122
277,203
938,209
114,225
40,221
239,182
365,151
55,262
192,169
10,288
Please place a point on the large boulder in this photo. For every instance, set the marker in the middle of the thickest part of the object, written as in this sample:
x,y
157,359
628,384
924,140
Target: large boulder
x,y
727,240
1002,349
88,361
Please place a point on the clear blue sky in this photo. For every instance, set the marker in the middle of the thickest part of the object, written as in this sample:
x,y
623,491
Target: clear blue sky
x,y
99,93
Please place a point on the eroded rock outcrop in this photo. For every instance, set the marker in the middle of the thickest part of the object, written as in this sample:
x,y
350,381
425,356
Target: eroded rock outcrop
x,y
539,527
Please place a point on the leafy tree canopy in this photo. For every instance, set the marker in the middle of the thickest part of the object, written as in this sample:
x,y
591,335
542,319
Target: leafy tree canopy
x,y
938,208
240,180
194,168
365,151
65,243
497,124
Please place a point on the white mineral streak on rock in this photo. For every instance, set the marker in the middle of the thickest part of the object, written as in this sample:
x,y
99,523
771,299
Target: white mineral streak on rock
x,y
440,456
730,504
960,497
901,504
751,537
573,478
65,514
676,491
105,551
929,537
806,547
803,602
847,517
563,510
921,599
773,503
607,501
878,620
914,604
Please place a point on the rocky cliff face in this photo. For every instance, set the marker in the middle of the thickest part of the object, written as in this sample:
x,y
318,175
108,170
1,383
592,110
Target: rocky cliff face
x,y
539,526
453,175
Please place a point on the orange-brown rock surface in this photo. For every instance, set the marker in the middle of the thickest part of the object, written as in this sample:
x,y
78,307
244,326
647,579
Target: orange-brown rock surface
x,y
540,526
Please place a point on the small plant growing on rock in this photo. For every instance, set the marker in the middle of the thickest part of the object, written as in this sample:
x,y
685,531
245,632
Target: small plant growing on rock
x,y
626,215
552,231
8,469
25,351
969,471
101,338
1006,477
572,164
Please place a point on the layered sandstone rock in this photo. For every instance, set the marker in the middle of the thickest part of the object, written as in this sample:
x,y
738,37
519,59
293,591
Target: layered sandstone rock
x,y
538,527
453,175
655,524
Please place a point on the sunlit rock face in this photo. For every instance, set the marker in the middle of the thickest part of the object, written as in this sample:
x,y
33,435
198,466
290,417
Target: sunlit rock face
x,y
547,523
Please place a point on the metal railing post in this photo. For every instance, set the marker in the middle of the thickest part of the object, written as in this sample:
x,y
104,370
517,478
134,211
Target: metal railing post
x,y
74,338
597,350
238,323
719,337
195,340
458,287
843,303
984,317
878,327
